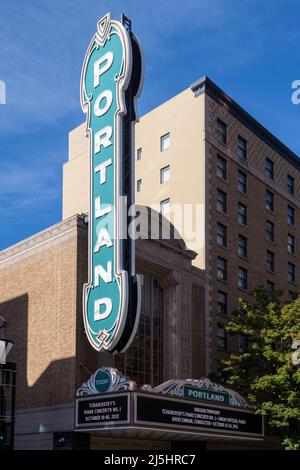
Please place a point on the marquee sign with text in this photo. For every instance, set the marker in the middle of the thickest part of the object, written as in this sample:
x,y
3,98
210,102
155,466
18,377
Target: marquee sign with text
x,y
111,400
110,83
105,410
151,411
179,414
207,395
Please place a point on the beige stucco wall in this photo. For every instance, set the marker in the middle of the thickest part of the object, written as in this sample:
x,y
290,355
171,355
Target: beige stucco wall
x,y
183,118
76,174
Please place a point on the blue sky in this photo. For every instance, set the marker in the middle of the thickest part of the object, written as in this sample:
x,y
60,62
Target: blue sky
x,y
250,49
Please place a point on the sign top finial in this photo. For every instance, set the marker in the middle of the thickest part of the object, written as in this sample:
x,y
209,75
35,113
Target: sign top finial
x,y
103,26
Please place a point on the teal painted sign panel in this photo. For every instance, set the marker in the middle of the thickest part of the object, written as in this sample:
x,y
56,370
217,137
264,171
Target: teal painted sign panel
x,y
102,381
206,395
106,77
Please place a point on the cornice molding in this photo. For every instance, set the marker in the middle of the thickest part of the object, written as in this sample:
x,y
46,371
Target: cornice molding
x,y
55,233
205,85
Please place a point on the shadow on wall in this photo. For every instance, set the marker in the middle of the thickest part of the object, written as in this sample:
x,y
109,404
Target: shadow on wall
x,y
56,385
15,312
57,372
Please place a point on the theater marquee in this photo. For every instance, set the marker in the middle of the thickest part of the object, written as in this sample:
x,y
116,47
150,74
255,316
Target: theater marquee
x,y
110,83
123,406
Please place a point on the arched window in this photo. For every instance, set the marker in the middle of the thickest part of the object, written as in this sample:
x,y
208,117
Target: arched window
x,y
143,361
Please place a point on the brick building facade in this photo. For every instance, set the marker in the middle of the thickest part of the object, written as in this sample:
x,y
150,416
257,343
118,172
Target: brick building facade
x,y
41,283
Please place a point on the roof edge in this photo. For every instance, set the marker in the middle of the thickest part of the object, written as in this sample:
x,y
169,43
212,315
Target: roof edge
x,y
206,85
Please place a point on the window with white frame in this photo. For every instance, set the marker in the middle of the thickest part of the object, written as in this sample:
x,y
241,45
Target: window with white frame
x,y
164,174
164,142
165,206
139,185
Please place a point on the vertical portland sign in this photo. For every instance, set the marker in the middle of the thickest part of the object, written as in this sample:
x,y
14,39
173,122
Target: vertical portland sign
x,y
111,81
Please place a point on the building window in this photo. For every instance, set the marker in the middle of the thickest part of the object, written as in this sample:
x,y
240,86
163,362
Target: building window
x,y
164,174
270,286
270,261
291,243
269,169
165,206
139,185
242,214
291,273
164,142
291,215
290,184
221,167
222,303
242,246
221,268
221,338
270,231
143,361
222,235
269,201
241,310
243,279
242,148
291,296
243,344
221,131
139,154
221,201
242,182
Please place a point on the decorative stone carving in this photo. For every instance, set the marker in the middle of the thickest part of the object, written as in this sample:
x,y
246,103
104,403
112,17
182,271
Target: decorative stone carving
x,y
176,388
32,245
109,379
106,379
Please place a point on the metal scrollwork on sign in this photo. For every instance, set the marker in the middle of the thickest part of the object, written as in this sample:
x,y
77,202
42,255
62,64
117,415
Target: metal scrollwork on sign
x,y
106,379
176,388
